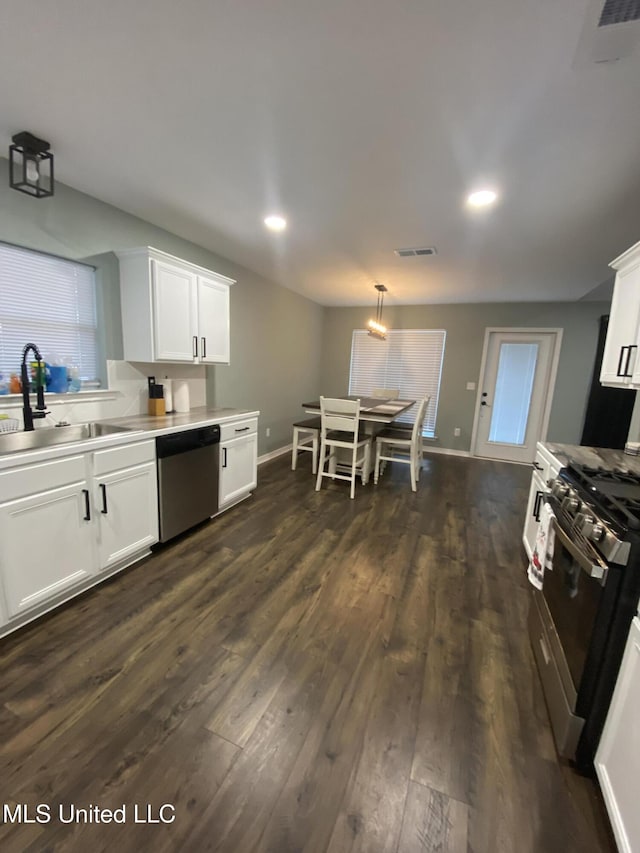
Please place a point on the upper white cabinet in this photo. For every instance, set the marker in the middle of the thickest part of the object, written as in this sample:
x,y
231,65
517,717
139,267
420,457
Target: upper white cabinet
x,y
173,310
620,362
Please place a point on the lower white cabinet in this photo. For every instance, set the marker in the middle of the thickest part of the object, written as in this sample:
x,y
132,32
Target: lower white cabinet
x,y
532,519
238,461
65,522
545,469
618,757
47,545
126,506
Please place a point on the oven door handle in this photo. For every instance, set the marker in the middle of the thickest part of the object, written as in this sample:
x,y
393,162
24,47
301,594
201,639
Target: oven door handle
x,y
592,566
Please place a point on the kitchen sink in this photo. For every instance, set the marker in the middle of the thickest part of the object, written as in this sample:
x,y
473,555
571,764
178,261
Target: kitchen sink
x,y
17,442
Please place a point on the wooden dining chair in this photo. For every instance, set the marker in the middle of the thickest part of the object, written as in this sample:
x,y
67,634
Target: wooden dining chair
x,y
304,432
386,393
398,445
340,429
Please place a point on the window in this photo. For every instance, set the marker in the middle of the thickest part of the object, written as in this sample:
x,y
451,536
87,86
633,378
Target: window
x,y
409,359
50,302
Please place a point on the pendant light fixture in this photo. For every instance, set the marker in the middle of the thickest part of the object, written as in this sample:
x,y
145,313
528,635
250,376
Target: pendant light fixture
x,y
376,327
30,165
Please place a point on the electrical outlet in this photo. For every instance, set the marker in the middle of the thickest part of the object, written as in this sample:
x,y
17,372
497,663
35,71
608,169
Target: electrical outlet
x,y
456,432
268,432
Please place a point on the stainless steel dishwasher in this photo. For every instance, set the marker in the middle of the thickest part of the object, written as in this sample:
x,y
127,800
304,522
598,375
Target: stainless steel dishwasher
x,y
188,466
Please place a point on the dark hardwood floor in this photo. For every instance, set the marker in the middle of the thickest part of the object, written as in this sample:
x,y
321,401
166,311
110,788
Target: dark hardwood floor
x,y
304,673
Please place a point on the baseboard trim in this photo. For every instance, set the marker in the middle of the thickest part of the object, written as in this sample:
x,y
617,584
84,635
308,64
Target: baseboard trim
x,y
267,457
445,451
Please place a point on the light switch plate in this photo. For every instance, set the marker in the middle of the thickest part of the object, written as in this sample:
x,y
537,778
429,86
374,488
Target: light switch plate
x,y
471,386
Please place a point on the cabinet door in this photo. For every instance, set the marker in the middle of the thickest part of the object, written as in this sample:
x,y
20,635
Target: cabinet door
x,y
532,518
175,325
238,468
47,545
620,362
126,504
618,757
213,321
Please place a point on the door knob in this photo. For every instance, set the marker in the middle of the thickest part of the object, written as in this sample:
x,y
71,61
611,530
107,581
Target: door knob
x,y
484,403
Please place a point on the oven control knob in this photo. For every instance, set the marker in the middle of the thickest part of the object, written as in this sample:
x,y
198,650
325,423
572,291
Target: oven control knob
x,y
597,532
572,504
584,523
559,489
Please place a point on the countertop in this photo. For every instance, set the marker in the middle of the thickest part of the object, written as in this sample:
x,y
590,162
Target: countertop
x,y
179,422
142,428
593,457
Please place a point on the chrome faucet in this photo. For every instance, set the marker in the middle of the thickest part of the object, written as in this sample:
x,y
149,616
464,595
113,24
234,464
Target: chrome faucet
x,y
41,409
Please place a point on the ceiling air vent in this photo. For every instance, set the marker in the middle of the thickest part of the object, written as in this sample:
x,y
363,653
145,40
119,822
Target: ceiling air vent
x,y
619,12
412,253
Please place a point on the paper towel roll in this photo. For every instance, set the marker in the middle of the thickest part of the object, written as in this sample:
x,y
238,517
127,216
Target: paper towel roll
x,y
168,395
181,395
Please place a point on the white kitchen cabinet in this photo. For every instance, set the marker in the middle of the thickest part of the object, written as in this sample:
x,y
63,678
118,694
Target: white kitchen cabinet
x,y
620,361
213,321
47,545
172,310
618,757
125,496
238,461
175,321
532,519
126,504
69,522
545,469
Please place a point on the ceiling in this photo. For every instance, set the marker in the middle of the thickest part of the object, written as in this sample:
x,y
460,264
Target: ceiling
x,y
365,122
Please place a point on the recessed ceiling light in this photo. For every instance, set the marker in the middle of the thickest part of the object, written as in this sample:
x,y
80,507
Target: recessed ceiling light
x,y
482,198
275,222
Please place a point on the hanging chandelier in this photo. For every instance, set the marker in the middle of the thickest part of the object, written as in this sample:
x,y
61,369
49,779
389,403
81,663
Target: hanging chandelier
x,y
376,327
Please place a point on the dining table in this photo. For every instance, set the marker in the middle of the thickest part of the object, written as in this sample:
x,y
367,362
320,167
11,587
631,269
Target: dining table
x,y
375,414
381,410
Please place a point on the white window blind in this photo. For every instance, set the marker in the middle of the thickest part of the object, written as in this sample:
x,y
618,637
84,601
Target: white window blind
x,y
50,302
409,359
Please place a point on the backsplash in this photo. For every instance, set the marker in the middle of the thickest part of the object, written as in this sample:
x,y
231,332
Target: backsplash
x,y
126,394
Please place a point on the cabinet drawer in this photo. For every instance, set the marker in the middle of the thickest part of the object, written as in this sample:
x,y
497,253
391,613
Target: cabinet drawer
x,y
546,463
236,429
123,457
32,479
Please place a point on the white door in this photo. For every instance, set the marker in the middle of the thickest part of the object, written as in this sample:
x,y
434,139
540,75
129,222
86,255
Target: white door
x,y
126,504
516,386
48,545
238,468
213,321
175,325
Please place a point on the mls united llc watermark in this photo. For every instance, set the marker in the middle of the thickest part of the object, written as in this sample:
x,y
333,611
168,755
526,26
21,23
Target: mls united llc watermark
x,y
44,813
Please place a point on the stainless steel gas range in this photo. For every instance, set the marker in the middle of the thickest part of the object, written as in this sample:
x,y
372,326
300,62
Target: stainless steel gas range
x,y
579,622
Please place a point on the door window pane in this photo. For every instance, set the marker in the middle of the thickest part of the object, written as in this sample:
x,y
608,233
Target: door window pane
x,y
512,399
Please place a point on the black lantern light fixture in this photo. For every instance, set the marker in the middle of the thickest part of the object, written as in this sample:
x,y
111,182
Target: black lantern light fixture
x,y
376,327
31,165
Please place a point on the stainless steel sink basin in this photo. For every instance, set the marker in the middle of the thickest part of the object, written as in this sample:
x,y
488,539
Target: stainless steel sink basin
x,y
17,442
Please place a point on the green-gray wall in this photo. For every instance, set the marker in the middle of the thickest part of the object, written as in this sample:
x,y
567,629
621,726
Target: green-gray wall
x,y
285,348
276,334
465,326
